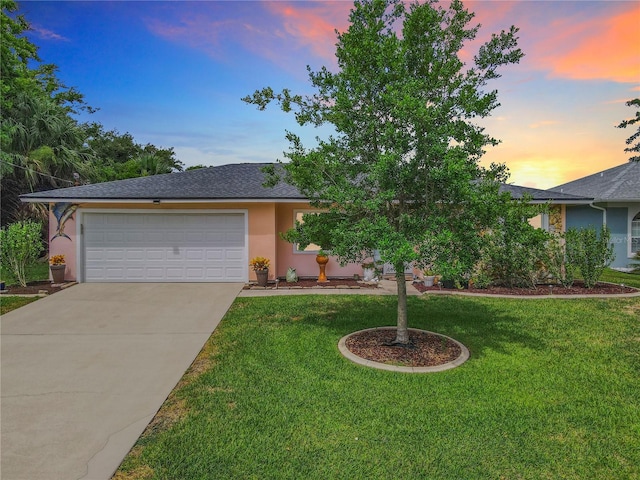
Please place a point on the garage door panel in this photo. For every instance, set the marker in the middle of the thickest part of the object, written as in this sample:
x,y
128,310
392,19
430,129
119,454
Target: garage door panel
x,y
231,254
164,247
154,254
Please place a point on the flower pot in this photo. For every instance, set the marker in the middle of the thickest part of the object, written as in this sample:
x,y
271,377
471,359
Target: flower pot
x,y
57,273
428,280
448,283
369,274
262,276
322,261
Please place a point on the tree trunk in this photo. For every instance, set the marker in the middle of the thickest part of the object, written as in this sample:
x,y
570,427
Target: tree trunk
x,y
402,333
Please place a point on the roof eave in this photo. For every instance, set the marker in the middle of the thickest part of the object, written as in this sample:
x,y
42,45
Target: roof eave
x,y
160,200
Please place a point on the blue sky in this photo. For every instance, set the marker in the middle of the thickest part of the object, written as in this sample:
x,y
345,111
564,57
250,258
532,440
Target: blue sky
x,y
172,73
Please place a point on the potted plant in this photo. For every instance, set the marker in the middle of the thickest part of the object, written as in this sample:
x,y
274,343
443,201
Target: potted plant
x,y
260,265
322,259
57,266
429,277
371,272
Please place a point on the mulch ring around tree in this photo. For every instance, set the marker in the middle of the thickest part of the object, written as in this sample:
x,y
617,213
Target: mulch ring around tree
x,y
426,351
578,288
34,288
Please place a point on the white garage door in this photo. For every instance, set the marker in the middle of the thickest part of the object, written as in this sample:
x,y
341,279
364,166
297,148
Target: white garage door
x,y
161,247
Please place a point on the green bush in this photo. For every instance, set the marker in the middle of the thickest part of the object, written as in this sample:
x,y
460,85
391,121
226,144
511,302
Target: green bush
x,y
515,252
589,252
559,268
20,245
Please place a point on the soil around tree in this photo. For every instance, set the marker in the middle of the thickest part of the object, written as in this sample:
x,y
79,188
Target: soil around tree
x,y
425,349
578,288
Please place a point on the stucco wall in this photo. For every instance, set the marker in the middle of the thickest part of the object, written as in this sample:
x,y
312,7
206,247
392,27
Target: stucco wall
x,y
265,221
304,262
617,220
61,245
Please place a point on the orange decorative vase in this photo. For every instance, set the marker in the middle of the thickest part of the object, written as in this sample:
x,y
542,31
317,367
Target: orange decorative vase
x,y
322,262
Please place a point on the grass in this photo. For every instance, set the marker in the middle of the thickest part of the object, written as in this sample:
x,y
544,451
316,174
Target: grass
x,y
8,303
35,272
614,276
550,391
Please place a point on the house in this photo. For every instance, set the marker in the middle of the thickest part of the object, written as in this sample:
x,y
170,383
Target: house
x,y
195,226
615,202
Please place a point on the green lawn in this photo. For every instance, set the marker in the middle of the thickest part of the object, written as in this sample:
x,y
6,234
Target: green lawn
x,y
8,302
35,272
613,276
551,391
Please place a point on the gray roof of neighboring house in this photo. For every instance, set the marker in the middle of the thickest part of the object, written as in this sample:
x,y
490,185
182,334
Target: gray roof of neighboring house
x,y
241,181
621,183
235,181
541,196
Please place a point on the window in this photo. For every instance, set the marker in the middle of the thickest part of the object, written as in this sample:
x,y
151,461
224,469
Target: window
x,y
635,234
312,247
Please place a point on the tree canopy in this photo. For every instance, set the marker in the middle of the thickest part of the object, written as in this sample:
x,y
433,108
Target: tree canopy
x,y
401,174
633,148
42,145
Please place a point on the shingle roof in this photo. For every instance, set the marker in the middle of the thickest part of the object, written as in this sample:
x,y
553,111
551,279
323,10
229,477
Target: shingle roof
x,y
538,195
235,181
620,183
241,181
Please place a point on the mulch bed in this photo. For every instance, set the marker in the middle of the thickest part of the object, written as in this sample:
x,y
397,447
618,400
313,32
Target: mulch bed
x,y
578,288
424,350
33,288
313,283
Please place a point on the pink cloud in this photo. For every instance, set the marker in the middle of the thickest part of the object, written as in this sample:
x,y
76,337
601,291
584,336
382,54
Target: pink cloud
x,y
312,25
593,49
47,34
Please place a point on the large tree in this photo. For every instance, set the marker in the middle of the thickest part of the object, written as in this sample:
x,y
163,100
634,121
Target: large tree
x,y
401,174
633,148
41,145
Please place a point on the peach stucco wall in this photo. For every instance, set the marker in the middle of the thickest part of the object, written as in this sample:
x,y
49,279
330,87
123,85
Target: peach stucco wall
x,y
304,262
265,222
63,245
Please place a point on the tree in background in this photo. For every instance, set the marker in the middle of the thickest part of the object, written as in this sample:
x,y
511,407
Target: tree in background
x,y
118,156
42,146
634,149
401,171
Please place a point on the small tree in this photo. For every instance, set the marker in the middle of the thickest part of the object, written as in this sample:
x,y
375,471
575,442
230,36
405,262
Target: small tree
x,y
402,168
589,252
20,245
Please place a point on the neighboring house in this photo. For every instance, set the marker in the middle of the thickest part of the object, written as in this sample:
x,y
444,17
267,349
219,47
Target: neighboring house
x,y
195,226
615,202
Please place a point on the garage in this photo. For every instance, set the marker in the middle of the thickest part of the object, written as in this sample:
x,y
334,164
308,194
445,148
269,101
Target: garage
x,y
164,247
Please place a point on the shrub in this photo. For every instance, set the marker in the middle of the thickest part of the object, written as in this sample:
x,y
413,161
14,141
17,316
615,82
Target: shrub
x,y
589,252
515,252
20,245
559,268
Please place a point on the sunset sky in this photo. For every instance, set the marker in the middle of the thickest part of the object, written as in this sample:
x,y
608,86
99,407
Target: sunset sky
x,y
172,73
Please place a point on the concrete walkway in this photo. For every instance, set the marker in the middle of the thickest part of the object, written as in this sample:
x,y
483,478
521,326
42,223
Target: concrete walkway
x,y
85,370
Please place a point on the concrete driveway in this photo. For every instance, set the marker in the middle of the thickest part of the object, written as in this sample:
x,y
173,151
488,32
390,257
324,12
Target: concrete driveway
x,y
85,370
